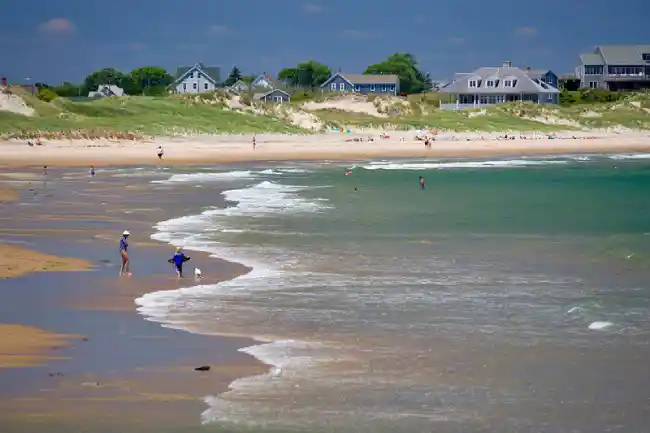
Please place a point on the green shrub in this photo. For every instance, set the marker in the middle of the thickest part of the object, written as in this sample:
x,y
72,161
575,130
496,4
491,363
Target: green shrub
x,y
46,94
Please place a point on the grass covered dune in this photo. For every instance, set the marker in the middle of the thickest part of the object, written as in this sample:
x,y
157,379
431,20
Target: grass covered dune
x,y
135,117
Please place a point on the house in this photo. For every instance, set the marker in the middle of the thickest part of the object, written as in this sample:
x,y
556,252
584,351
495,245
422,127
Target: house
x,y
492,85
615,67
196,79
262,82
362,83
275,95
106,90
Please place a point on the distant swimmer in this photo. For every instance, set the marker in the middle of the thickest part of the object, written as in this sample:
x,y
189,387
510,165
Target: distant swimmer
x,y
92,171
421,182
347,173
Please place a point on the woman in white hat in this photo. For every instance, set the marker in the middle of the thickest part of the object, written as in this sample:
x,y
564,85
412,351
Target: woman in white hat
x,y
124,246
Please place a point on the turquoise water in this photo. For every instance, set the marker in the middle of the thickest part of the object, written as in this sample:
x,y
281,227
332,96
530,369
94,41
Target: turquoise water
x,y
508,295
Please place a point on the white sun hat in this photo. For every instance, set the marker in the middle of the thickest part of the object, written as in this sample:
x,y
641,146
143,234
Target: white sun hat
x,y
125,233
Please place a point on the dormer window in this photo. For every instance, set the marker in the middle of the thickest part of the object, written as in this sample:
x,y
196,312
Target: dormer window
x,y
490,83
646,57
474,82
507,83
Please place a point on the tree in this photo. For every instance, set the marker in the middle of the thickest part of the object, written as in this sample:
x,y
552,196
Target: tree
x,y
148,80
310,74
405,66
67,90
105,76
234,76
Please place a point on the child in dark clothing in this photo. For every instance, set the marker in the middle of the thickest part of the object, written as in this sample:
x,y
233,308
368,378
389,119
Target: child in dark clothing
x,y
178,259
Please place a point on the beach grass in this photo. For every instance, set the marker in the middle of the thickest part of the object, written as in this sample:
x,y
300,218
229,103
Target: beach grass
x,y
148,116
444,120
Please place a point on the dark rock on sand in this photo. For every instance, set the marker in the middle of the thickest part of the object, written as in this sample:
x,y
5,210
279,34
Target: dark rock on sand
x,y
202,368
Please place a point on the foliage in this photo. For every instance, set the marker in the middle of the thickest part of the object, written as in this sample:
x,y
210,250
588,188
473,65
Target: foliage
x,y
234,76
149,80
67,90
589,96
308,75
405,66
46,94
105,76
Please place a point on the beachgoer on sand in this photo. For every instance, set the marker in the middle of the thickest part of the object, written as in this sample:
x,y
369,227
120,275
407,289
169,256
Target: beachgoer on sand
x,y
124,246
45,170
421,182
178,259
160,151
254,143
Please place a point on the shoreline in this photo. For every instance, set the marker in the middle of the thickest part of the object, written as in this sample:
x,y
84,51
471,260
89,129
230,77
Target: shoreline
x,y
205,150
162,380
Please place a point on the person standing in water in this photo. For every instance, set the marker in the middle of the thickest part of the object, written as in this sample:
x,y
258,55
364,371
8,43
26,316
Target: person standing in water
x,y
124,246
160,151
178,259
421,182
92,171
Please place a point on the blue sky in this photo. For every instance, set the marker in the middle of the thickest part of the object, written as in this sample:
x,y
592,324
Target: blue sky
x,y
53,41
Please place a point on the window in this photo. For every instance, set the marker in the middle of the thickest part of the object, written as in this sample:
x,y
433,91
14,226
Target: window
x,y
205,86
372,87
473,83
489,83
199,75
184,86
646,57
333,86
507,83
594,70
593,84
625,71
550,97
357,88
191,74
383,88
194,86
392,87
342,87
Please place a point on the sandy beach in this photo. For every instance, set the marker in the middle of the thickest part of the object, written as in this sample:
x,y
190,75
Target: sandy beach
x,y
73,353
327,146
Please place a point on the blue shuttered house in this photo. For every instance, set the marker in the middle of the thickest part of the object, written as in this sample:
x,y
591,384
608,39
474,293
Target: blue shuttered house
x,y
362,83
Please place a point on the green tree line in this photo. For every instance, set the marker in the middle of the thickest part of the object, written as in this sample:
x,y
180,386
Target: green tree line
x,y
155,80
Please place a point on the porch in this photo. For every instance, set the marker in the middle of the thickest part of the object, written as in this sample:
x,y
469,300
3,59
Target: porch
x,y
452,101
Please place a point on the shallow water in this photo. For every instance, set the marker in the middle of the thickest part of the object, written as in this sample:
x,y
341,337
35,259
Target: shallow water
x,y
508,295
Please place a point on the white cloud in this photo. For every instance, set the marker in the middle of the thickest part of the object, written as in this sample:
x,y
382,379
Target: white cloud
x,y
220,30
312,8
57,26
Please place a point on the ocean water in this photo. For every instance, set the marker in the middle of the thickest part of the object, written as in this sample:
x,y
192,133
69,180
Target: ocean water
x,y
510,295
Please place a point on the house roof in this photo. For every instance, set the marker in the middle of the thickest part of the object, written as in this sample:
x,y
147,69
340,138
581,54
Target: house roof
x,y
591,59
268,78
524,82
536,73
263,95
623,54
365,78
212,72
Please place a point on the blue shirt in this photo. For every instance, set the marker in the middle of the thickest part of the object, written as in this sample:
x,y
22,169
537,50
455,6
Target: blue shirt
x,y
124,245
178,259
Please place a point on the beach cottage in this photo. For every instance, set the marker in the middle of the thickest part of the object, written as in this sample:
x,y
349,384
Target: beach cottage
x,y
275,95
486,86
362,83
197,78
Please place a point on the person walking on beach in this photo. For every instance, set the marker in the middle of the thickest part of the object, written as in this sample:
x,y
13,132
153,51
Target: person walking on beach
x,y
421,182
254,143
45,170
160,151
178,259
124,246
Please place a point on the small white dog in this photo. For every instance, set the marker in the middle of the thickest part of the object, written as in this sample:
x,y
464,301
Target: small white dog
x,y
197,273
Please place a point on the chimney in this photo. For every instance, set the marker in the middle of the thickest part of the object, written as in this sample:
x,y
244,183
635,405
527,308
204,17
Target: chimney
x,y
528,68
506,64
340,70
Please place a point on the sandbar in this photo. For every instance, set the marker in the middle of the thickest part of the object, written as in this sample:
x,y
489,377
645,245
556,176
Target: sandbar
x,y
7,195
16,261
26,346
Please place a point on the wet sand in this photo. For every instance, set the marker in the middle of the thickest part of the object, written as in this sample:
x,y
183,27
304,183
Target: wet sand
x,y
16,261
125,373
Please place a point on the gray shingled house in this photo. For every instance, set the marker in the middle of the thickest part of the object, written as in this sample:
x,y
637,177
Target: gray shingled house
x,y
197,78
615,67
490,85
362,83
